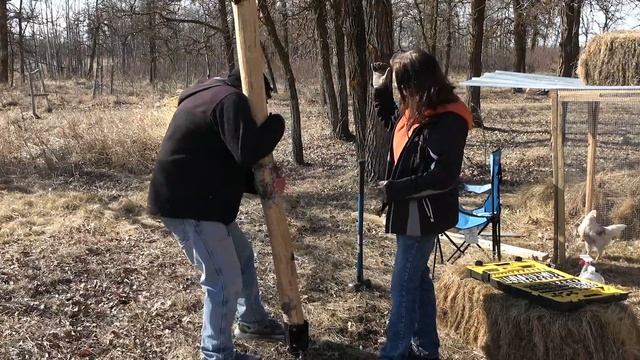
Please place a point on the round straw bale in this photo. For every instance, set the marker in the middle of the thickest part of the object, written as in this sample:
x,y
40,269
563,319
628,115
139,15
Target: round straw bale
x,y
611,59
506,327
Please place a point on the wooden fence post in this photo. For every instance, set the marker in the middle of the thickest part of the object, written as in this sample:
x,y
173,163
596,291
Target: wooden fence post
x,y
594,110
251,64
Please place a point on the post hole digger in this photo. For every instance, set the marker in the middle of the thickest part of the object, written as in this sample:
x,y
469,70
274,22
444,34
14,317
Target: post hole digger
x,y
361,283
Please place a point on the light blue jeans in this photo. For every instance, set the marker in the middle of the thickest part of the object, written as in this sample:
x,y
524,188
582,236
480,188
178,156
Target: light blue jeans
x,y
413,301
225,259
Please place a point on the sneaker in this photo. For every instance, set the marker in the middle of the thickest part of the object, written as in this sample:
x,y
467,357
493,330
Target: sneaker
x,y
269,329
240,356
416,353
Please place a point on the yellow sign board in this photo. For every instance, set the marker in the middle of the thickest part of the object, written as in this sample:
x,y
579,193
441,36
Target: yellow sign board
x,y
544,285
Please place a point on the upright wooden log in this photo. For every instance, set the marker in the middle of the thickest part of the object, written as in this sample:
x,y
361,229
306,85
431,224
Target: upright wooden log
x,y
251,64
559,226
33,94
594,109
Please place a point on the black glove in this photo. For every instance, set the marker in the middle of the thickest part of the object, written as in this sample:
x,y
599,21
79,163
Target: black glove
x,y
383,93
275,119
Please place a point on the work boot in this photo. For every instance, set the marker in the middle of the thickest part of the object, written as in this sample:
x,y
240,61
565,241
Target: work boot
x,y
269,329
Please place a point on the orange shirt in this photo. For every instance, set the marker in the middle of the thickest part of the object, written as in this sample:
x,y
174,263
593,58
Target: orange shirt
x,y
402,132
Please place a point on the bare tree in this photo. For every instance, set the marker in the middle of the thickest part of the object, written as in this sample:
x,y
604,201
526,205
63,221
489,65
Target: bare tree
x,y
21,31
435,6
151,31
449,44
380,35
267,59
226,34
4,42
283,54
478,8
358,70
519,36
569,45
341,69
325,62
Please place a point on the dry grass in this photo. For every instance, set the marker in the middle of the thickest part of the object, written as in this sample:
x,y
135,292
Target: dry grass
x,y
611,59
506,327
86,273
108,134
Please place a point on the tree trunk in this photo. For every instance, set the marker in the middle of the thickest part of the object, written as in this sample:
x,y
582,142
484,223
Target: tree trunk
x,y
4,43
56,43
475,57
380,35
358,70
207,60
421,23
153,49
284,14
226,35
520,36
327,73
21,42
569,44
535,32
267,59
94,44
343,95
434,27
96,70
449,45
123,57
283,54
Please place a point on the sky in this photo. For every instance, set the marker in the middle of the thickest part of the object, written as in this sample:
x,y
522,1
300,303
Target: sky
x,y
631,20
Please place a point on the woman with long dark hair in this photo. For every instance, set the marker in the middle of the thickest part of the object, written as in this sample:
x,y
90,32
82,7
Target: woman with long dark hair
x,y
421,191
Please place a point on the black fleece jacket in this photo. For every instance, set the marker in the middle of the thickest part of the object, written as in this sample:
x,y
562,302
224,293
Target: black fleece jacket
x,y
205,160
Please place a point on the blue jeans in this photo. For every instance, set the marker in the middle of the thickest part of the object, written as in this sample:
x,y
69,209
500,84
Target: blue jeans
x,y
225,259
413,301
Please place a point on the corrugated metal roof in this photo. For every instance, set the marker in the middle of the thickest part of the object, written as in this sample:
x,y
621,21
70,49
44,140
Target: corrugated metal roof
x,y
509,79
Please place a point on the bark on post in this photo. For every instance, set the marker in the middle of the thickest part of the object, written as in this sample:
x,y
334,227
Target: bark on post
x,y
251,63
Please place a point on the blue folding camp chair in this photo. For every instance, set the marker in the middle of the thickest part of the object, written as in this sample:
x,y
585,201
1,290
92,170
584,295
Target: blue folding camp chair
x,y
479,218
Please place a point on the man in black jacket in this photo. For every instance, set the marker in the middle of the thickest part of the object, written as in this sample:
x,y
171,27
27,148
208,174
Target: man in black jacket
x,y
201,173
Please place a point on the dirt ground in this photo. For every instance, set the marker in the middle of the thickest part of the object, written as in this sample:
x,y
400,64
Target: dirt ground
x,y
85,273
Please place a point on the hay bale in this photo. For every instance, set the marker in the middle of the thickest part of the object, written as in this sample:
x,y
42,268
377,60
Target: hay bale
x,y
506,327
611,59
628,212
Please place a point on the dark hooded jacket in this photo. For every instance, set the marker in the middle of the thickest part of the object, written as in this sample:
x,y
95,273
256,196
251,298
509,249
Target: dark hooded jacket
x,y
205,160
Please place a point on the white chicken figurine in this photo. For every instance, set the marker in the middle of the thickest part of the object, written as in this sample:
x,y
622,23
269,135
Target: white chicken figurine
x,y
589,271
597,237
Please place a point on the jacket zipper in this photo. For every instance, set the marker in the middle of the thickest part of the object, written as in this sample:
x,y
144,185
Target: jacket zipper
x,y
427,206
